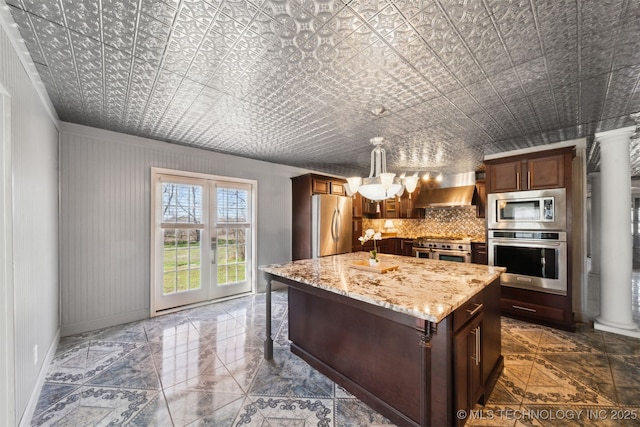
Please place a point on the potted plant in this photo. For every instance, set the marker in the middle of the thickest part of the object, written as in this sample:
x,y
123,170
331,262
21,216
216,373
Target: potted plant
x,y
369,234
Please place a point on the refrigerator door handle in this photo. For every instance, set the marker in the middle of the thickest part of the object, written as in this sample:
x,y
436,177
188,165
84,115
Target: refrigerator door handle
x,y
338,225
334,225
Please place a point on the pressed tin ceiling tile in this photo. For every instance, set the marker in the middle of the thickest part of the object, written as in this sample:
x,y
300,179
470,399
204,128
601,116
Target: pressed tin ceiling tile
x,y
295,81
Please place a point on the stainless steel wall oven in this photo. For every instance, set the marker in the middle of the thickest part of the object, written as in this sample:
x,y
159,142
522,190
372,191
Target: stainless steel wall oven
x,y
534,259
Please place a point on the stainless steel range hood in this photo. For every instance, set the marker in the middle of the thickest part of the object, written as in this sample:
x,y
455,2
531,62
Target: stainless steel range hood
x,y
446,197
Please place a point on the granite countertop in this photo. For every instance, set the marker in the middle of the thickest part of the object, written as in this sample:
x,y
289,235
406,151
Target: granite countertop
x,y
422,288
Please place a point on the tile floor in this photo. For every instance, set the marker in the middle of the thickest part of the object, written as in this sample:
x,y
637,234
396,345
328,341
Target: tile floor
x,y
204,366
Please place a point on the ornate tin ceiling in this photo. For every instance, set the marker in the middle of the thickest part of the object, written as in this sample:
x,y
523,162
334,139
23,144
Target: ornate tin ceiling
x,y
293,82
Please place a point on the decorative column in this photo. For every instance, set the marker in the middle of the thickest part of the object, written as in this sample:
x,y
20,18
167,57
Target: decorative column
x,y
593,284
615,243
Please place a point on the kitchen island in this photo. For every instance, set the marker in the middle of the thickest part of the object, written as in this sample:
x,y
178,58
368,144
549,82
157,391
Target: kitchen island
x,y
417,344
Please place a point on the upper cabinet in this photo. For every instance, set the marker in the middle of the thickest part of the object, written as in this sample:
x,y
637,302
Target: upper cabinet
x,y
533,171
480,199
325,185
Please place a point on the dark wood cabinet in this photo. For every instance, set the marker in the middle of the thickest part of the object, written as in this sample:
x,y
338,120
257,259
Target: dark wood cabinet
x,y
356,232
370,208
476,349
468,365
326,185
533,171
406,247
390,208
357,206
546,172
383,246
504,176
539,307
479,253
481,199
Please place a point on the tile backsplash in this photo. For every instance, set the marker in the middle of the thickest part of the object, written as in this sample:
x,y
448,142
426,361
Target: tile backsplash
x,y
441,222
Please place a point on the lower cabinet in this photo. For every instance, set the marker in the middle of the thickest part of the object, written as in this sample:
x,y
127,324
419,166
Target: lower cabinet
x,y
467,344
479,253
477,351
538,307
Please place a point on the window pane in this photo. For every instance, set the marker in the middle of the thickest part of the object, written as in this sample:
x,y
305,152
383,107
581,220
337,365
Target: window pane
x,y
232,205
181,263
181,203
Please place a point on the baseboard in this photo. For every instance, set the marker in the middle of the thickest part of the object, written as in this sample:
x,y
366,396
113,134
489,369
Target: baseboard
x,y
27,416
106,322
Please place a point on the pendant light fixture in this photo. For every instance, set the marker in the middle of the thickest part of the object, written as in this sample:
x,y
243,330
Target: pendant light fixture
x,y
380,184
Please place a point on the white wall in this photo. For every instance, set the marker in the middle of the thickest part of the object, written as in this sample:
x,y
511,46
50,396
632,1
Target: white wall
x,y
105,219
33,147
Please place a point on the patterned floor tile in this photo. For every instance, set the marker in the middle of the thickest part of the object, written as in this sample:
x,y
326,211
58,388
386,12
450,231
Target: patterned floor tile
x,y
626,378
136,370
286,412
351,412
205,367
548,384
189,406
288,375
95,406
493,415
592,370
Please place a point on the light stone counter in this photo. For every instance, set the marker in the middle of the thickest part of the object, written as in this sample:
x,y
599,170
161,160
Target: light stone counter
x,y
423,288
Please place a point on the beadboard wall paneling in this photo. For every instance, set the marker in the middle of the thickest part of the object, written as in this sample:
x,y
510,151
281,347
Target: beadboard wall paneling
x,y
34,165
105,225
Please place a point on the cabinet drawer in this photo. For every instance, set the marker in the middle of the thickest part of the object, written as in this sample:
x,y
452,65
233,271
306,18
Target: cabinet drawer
x,y
468,311
531,310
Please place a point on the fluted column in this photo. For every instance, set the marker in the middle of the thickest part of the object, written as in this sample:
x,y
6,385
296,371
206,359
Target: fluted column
x,y
615,240
593,284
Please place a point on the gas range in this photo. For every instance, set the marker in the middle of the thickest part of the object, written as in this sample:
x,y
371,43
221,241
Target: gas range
x,y
462,244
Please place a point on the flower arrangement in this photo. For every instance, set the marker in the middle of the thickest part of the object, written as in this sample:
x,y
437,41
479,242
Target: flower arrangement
x,y
369,234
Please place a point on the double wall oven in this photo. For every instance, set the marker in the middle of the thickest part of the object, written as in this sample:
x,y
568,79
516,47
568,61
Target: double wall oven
x,y
443,249
527,235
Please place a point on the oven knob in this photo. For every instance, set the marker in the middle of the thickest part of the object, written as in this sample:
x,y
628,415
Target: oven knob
x,y
448,246
460,247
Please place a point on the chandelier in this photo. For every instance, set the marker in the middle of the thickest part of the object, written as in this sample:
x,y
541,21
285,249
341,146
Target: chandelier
x,y
380,184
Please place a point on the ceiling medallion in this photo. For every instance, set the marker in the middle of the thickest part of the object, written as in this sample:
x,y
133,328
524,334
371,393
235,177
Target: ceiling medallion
x,y
380,184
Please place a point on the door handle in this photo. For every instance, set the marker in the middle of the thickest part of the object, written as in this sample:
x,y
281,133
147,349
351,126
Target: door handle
x,y
214,250
475,310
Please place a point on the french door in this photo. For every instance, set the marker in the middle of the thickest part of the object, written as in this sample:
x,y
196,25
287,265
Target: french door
x,y
202,239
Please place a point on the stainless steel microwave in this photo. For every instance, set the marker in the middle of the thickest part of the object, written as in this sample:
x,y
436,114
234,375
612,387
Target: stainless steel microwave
x,y
528,210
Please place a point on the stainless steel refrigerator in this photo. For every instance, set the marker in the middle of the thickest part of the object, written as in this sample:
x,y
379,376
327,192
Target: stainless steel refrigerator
x,y
331,225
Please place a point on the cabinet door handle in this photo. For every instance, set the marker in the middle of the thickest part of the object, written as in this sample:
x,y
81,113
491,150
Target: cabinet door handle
x,y
517,180
519,307
478,345
476,333
528,180
475,310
